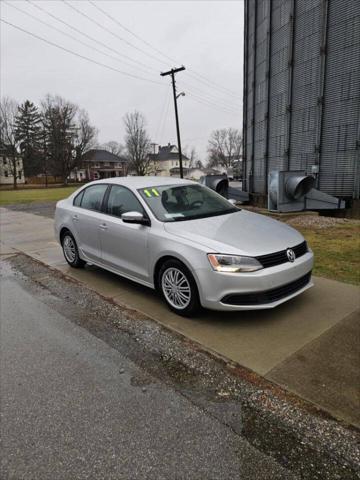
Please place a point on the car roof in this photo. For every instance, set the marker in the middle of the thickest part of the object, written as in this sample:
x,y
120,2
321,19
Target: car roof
x,y
143,182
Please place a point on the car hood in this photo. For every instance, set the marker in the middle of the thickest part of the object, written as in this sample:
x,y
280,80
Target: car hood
x,y
242,232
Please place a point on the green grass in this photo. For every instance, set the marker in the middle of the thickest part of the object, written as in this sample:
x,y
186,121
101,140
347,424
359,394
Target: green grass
x,y
11,197
337,251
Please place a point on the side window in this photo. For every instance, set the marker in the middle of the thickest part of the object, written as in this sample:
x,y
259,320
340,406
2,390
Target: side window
x,y
93,197
122,200
78,198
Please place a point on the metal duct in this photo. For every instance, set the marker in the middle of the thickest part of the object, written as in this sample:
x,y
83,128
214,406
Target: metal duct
x,y
221,185
292,191
298,186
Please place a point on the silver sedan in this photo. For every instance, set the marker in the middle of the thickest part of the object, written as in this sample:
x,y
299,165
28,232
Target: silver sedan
x,y
186,241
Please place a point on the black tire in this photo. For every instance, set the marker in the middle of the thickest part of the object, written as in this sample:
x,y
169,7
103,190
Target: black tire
x,y
186,288
73,258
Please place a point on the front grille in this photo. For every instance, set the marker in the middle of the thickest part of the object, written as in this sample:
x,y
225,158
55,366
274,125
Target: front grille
x,y
278,258
267,296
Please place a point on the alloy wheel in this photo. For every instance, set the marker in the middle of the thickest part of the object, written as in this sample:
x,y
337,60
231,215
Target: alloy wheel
x,y
176,288
69,249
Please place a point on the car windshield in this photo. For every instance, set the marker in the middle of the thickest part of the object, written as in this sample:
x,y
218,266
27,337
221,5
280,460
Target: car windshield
x,y
174,203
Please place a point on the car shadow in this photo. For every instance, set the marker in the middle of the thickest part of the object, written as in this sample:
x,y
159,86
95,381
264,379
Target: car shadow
x,y
154,305
254,317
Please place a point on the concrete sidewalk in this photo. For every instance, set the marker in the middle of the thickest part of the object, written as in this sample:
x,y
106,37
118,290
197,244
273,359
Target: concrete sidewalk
x,y
309,345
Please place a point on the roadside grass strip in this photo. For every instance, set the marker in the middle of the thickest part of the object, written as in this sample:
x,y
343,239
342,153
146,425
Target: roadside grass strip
x,y
11,197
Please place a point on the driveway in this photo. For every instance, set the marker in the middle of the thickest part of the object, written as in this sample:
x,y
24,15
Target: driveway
x,y
309,345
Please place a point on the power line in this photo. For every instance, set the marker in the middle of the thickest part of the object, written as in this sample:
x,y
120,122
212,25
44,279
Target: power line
x,y
196,98
201,99
99,42
228,107
208,104
130,31
90,38
213,103
111,32
197,76
205,80
210,96
79,55
165,119
69,35
166,103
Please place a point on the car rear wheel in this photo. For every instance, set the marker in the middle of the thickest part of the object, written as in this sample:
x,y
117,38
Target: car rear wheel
x,y
178,288
71,252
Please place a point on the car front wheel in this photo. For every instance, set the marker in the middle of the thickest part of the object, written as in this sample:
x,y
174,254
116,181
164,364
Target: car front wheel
x,y
178,288
71,252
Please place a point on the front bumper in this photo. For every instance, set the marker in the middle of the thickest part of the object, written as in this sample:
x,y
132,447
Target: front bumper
x,y
217,289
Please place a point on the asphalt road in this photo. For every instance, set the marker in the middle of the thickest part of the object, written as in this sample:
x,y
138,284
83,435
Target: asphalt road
x,y
73,406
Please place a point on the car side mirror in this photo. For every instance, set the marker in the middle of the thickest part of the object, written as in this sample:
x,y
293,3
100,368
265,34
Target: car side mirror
x,y
232,201
135,217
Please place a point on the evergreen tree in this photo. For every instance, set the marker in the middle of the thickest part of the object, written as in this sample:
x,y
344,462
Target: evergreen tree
x,y
68,135
28,133
59,129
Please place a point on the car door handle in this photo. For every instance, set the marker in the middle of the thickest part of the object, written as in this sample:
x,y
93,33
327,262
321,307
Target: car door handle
x,y
103,226
75,218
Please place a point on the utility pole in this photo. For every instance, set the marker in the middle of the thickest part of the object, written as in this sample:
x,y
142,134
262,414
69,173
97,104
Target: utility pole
x,y
172,73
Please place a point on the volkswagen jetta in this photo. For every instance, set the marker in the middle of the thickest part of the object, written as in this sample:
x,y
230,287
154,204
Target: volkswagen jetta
x,y
183,239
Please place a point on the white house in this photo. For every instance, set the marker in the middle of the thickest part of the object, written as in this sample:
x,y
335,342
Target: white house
x,y
7,167
166,158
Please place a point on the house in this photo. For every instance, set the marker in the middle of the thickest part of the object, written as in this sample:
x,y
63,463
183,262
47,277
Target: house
x,y
96,164
166,158
7,166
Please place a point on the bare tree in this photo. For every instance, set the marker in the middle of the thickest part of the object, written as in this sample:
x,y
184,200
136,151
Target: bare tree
x,y
137,142
193,156
8,138
224,147
68,134
86,134
113,147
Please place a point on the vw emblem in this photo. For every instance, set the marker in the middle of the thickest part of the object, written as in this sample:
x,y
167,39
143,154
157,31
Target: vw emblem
x,y
290,254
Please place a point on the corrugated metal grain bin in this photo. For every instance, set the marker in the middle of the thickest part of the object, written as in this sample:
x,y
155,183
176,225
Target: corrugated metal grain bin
x,y
302,92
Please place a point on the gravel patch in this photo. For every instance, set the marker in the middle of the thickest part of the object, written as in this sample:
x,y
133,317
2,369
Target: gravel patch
x,y
320,223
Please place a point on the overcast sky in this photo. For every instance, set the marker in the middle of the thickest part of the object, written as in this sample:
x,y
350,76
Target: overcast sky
x,y
205,36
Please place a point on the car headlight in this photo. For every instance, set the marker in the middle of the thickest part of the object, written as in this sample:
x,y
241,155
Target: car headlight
x,y
233,263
